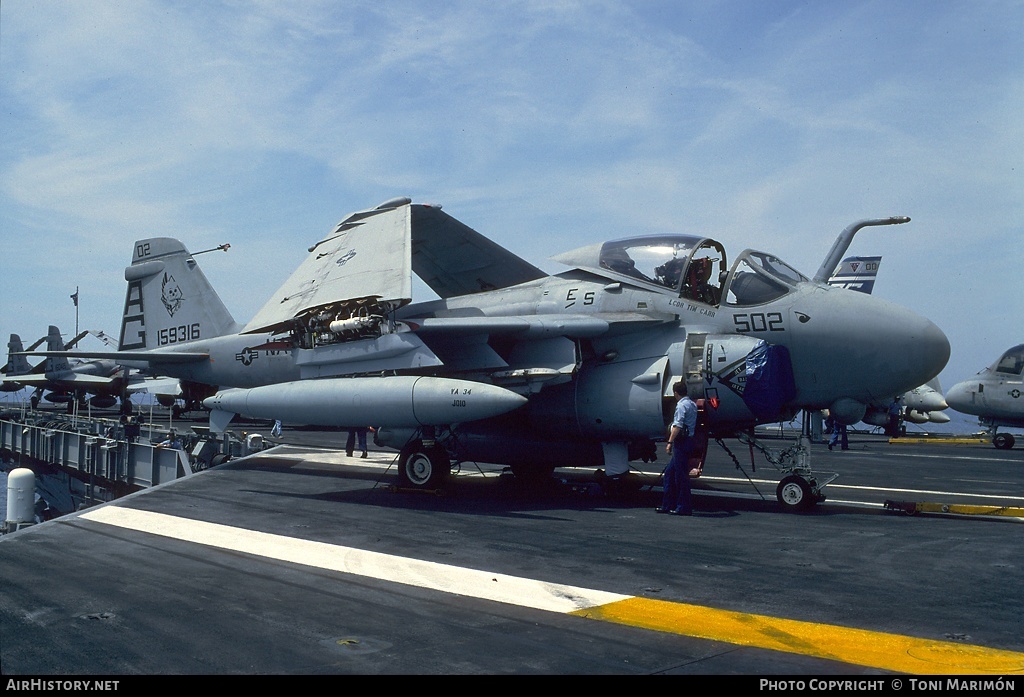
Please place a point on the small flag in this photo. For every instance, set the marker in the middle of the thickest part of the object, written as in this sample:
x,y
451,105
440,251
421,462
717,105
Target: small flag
x,y
74,297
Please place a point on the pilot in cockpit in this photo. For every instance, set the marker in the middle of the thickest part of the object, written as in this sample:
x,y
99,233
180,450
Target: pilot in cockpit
x,y
669,272
697,286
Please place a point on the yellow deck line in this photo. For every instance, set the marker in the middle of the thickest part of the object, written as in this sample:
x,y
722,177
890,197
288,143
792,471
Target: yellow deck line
x,y
965,509
855,646
858,646
947,441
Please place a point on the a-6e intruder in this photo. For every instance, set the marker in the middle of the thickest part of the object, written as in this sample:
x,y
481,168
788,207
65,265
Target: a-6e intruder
x,y
535,371
995,396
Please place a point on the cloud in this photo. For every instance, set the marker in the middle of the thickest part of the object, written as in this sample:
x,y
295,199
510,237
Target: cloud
x,y
545,125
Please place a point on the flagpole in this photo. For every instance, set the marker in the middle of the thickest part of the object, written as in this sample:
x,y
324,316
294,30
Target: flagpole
x,y
74,299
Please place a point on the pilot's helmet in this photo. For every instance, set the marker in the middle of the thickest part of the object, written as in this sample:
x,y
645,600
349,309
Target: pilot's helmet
x,y
670,271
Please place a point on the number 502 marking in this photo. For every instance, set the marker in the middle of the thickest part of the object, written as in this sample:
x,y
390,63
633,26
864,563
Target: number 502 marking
x,y
758,322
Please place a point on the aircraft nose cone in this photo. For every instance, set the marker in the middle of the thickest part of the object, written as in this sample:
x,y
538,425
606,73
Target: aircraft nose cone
x,y
960,398
929,350
909,350
879,349
939,404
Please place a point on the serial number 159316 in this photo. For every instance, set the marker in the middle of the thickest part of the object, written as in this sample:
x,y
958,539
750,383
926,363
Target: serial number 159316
x,y
174,335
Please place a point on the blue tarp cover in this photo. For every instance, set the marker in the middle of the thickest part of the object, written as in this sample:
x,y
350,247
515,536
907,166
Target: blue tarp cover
x,y
770,385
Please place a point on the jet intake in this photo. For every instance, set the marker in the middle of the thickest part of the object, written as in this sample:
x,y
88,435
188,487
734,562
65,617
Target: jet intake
x,y
621,399
742,380
606,400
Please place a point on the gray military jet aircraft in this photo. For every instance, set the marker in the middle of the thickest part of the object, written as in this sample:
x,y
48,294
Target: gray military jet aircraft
x,y
995,396
175,325
589,354
925,404
57,379
16,364
513,366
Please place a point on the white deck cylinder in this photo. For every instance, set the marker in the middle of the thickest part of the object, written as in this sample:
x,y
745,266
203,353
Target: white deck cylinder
x,y
253,443
21,496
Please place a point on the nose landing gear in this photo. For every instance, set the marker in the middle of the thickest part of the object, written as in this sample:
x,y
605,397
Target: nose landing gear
x,y
799,489
797,493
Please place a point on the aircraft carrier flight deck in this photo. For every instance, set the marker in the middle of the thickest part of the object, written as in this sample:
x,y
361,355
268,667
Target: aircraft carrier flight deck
x,y
300,560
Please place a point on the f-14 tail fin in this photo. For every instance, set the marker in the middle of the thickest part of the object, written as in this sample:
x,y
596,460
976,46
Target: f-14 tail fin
x,y
169,299
54,342
16,365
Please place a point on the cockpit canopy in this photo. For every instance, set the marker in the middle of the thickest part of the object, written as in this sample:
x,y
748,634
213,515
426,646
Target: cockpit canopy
x,y
691,267
1011,362
760,278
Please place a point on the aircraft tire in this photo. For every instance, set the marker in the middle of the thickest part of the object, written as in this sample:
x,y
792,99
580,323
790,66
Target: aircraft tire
x,y
423,468
1003,441
794,493
34,401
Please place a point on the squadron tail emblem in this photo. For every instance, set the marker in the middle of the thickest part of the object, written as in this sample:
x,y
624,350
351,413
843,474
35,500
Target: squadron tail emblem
x,y
170,294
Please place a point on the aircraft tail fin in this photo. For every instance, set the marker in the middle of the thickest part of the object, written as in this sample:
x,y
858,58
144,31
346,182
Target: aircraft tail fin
x,y
16,365
169,299
856,273
54,342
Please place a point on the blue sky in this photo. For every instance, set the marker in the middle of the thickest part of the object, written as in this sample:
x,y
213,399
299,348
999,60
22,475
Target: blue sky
x,y
543,125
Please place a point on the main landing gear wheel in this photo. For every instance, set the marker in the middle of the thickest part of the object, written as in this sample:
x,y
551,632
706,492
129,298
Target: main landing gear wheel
x,y
796,493
420,467
1003,441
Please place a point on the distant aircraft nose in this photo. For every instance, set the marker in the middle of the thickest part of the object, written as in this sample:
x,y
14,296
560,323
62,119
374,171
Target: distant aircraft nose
x,y
931,401
960,397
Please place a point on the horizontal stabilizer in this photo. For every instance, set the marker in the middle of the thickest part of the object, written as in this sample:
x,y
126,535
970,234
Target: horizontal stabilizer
x,y
67,380
151,357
